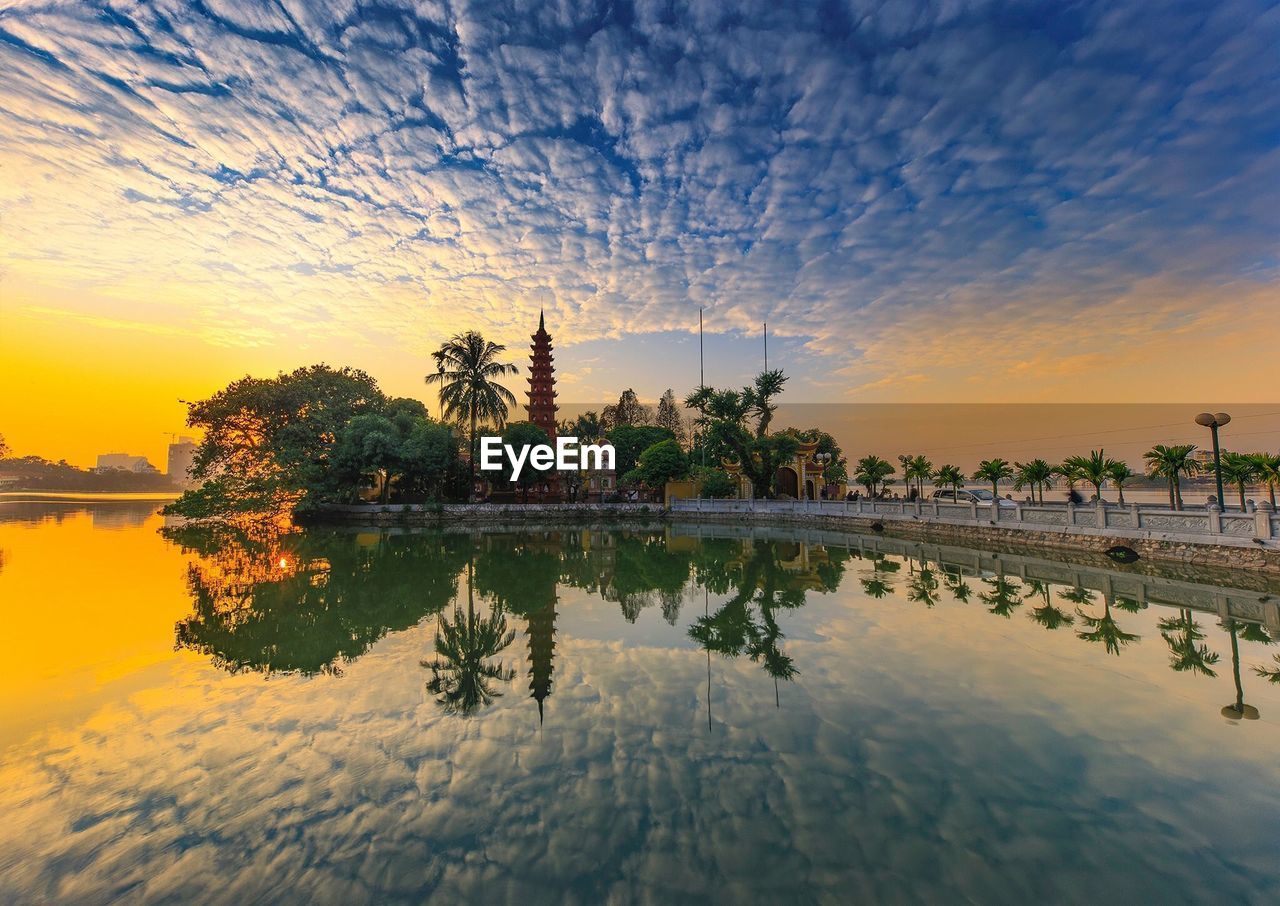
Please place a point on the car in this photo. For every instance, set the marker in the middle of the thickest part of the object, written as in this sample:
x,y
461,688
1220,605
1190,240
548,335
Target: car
x,y
980,496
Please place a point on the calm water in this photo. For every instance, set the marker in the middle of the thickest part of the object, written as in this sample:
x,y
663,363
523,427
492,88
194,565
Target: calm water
x,y
660,716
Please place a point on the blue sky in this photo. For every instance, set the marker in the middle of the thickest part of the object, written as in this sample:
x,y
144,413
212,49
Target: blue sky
x,y
941,200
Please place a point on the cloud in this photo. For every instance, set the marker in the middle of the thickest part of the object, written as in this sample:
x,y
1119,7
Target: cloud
x,y
852,173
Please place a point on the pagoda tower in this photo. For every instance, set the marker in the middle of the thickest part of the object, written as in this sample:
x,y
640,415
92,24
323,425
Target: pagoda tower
x,y
541,629
542,381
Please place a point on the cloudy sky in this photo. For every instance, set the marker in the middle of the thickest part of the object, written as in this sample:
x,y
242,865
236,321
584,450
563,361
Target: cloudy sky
x,y
925,201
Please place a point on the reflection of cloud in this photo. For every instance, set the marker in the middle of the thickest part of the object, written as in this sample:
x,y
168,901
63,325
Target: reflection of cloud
x,y
915,762
894,186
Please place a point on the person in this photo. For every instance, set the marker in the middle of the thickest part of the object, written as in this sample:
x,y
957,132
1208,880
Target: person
x,y
1073,496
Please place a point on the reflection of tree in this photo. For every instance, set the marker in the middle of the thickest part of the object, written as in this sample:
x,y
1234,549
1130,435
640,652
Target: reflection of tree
x,y
922,587
645,571
1238,709
1003,596
1046,614
747,622
878,584
959,588
307,602
461,675
1102,630
1187,652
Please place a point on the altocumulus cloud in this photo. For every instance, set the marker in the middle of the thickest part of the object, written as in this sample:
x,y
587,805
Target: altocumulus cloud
x,y
841,170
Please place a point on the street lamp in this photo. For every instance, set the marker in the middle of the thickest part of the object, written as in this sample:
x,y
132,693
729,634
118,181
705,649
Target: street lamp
x,y
1213,421
823,459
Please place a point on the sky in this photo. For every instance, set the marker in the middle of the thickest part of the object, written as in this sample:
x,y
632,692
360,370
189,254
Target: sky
x,y
926,202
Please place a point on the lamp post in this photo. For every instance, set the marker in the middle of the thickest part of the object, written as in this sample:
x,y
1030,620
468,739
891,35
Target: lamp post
x,y
823,459
1213,421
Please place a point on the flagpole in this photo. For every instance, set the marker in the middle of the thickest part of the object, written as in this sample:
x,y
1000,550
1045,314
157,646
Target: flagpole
x,y
766,345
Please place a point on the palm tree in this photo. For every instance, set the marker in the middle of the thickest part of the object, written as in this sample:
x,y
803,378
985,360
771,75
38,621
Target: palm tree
x,y
1271,675
1239,469
1268,468
1170,463
949,476
461,674
1069,472
467,368
1094,468
1033,475
995,471
917,469
871,471
1002,598
1119,473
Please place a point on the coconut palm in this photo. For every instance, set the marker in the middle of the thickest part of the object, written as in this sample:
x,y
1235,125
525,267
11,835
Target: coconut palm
x,y
467,370
1119,473
1271,675
959,589
917,470
1036,474
949,476
1069,473
923,587
1239,469
995,471
1170,463
1094,468
871,472
1267,466
1187,651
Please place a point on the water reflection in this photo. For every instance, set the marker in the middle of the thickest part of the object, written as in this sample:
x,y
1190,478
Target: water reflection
x,y
310,602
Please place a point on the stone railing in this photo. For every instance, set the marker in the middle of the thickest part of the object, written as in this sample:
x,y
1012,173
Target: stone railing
x,y
1209,525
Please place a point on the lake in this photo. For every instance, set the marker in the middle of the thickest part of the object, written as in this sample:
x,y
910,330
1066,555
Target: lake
x,y
682,713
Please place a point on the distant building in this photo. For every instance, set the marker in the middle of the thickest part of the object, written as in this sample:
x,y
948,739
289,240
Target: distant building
x,y
125,462
182,455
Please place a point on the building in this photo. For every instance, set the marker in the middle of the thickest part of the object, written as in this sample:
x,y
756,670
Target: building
x,y
542,397
182,454
125,462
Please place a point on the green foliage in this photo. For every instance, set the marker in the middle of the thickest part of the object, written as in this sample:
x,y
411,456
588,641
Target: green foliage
x,y
629,441
724,420
519,436
872,472
468,371
1036,475
670,417
34,473
662,462
995,471
949,476
268,442
1238,469
837,470
627,411
1171,463
1095,468
716,484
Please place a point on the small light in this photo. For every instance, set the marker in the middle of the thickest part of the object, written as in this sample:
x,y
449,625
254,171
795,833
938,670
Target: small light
x,y
284,564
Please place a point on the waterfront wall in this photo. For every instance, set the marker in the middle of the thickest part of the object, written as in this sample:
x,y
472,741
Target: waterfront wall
x,y
489,513
1207,537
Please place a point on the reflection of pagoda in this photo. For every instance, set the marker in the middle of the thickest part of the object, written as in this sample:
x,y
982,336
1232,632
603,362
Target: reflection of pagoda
x,y
541,628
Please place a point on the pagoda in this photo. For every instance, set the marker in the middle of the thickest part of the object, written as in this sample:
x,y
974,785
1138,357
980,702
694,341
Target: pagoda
x,y
542,381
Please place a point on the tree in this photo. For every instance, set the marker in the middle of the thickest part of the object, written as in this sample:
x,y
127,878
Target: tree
x,y
4,448
467,370
368,452
916,470
1094,468
1187,651
587,427
949,476
871,472
664,461
267,442
1036,474
628,411
523,436
670,417
1104,630
1268,469
725,415
1239,469
629,441
1119,472
995,471
759,397
714,483
1170,463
